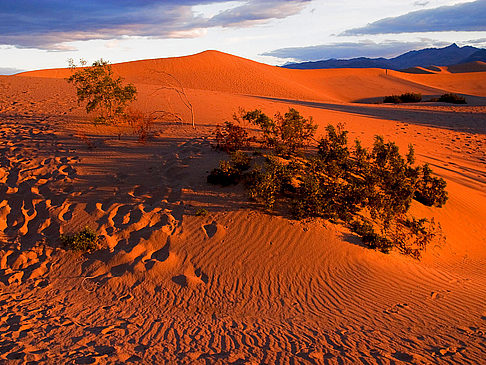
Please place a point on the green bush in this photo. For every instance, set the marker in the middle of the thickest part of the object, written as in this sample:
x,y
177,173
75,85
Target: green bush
x,y
365,229
452,98
225,175
102,91
270,181
285,133
201,212
431,190
86,240
368,190
240,160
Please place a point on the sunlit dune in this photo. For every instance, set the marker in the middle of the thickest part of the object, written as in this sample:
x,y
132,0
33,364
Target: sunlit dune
x,y
217,71
197,273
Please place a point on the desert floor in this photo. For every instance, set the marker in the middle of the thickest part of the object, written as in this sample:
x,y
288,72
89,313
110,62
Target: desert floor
x,y
239,285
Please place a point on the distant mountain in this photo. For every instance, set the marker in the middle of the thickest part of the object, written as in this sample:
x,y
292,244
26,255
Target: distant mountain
x,y
361,62
446,56
479,55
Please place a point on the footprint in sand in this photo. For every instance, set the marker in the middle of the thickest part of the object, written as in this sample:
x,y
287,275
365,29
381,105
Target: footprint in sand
x,y
439,294
191,277
180,280
213,229
396,308
66,212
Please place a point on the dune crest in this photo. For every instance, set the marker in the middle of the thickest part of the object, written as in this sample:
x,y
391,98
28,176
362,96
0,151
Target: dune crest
x,y
217,71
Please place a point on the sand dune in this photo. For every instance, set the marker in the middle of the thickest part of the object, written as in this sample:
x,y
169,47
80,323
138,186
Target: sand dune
x,y
238,285
216,71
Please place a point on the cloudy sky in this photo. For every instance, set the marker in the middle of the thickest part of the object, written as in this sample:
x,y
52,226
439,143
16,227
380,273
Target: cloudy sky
x,y
38,34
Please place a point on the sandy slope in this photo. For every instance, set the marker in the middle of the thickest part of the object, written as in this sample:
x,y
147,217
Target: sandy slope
x,y
238,285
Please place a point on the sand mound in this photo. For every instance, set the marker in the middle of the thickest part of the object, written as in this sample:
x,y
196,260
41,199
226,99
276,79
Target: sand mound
x,y
237,285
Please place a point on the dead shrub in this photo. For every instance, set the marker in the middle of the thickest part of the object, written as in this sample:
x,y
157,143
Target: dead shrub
x,y
140,123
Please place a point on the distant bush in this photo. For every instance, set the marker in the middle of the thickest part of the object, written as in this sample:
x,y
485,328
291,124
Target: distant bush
x,y
411,98
452,98
404,98
86,240
368,190
392,99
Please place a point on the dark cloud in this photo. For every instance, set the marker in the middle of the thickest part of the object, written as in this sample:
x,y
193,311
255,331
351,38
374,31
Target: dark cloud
x,y
49,24
257,11
347,50
478,41
462,17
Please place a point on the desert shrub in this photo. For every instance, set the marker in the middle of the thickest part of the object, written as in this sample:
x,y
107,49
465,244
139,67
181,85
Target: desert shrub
x,y
140,123
394,179
285,133
86,240
103,92
201,212
225,175
365,229
268,182
404,98
240,160
431,190
412,236
411,98
333,150
452,98
231,137
393,99
368,190
267,126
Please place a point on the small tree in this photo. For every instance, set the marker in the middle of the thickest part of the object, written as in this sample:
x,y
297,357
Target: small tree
x,y
102,91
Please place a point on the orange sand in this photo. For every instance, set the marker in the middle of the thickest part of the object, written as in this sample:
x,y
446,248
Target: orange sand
x,y
238,285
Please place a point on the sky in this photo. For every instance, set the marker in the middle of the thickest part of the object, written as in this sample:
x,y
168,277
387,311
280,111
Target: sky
x,y
37,34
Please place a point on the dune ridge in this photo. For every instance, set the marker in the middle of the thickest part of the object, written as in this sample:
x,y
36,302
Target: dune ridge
x,y
217,71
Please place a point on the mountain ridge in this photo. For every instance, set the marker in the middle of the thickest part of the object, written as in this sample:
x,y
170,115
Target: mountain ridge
x,y
447,56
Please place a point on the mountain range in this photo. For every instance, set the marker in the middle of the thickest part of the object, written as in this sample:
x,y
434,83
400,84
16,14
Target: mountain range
x,y
450,55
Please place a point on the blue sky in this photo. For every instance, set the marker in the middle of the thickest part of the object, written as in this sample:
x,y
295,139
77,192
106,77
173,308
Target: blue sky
x,y
38,34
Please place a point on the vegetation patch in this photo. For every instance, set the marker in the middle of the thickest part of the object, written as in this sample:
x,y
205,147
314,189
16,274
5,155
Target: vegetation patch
x,y
85,240
201,212
404,98
416,98
102,91
452,98
370,191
